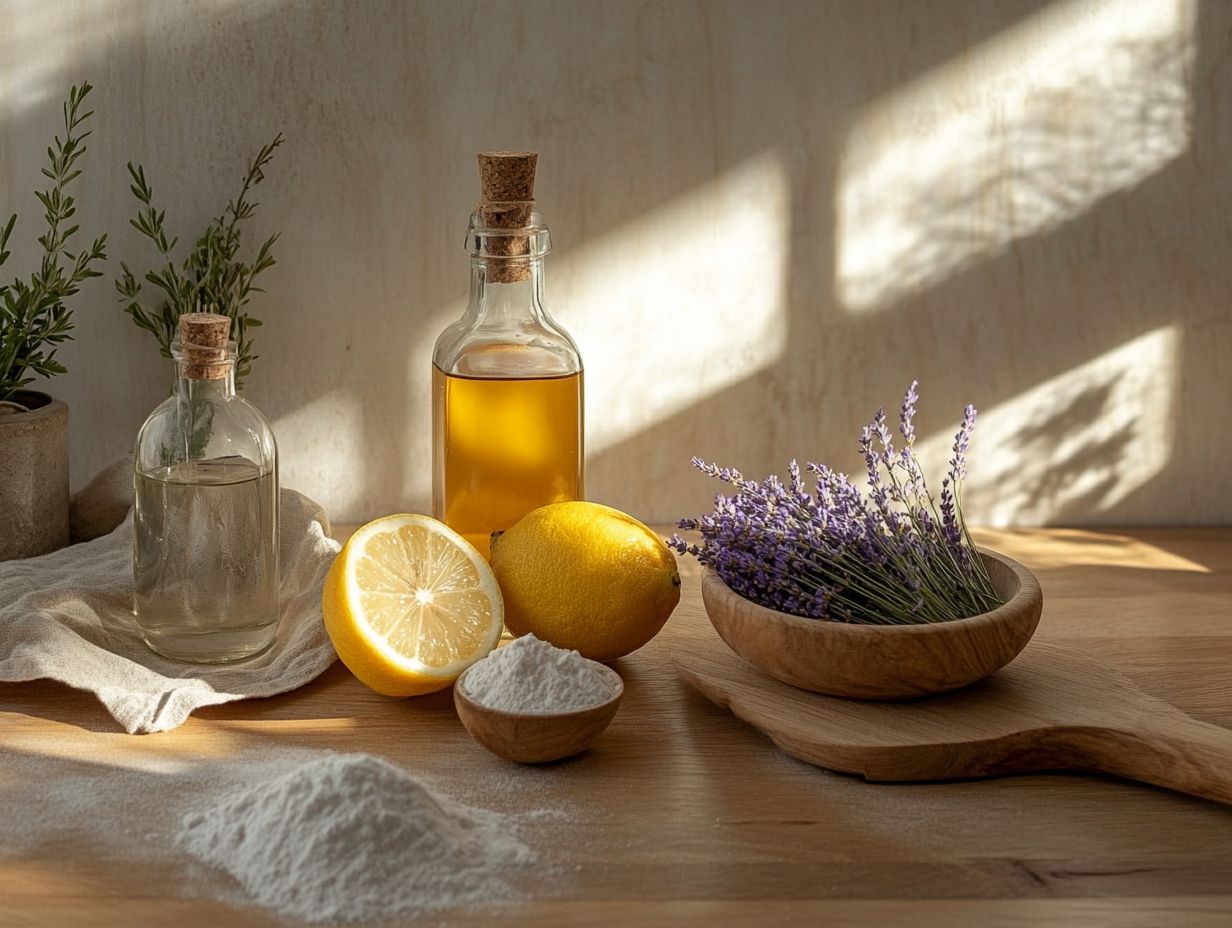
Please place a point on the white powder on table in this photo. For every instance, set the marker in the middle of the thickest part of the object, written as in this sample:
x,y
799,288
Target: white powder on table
x,y
533,677
349,837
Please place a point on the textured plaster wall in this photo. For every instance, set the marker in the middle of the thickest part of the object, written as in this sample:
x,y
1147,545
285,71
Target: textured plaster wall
x,y
769,218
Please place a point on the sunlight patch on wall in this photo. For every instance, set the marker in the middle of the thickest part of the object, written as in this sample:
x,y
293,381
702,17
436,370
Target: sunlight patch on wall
x,y
1077,444
680,303
33,53
44,50
321,445
1009,140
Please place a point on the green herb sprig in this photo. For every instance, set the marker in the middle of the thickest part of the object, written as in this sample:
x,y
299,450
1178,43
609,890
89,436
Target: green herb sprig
x,y
212,277
34,317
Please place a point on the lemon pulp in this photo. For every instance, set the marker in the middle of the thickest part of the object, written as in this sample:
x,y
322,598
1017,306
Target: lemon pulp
x,y
409,604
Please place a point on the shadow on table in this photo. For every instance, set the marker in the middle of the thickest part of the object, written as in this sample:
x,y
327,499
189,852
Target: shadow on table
x,y
53,701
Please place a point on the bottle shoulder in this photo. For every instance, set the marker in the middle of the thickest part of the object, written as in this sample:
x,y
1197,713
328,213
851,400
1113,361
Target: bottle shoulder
x,y
178,431
540,348
234,411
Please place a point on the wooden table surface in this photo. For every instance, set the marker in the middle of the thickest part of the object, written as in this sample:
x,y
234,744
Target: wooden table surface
x,y
682,815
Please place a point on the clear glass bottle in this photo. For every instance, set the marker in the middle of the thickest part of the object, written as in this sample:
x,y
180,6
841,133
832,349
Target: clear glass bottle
x,y
205,522
507,379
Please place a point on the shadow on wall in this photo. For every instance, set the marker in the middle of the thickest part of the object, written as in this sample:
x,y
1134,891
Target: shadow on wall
x,y
1085,477
1082,441
986,223
1052,115
1038,278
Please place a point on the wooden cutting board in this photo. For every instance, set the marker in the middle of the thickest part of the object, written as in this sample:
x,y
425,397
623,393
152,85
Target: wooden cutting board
x,y
1053,708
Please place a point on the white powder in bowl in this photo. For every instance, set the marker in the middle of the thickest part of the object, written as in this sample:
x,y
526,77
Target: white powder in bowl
x,y
350,837
532,677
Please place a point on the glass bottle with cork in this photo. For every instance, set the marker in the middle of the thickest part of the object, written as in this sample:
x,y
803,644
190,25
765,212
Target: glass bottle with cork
x,y
507,379
205,519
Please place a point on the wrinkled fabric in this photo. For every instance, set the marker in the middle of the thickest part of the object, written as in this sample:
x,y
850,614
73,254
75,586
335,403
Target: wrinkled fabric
x,y
67,616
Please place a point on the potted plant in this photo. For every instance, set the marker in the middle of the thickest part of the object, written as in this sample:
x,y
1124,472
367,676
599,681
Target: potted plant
x,y
34,320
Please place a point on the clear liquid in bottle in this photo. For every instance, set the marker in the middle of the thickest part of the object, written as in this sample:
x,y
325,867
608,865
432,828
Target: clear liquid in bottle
x,y
205,563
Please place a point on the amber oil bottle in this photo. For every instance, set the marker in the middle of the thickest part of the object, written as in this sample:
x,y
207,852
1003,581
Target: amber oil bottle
x,y
506,379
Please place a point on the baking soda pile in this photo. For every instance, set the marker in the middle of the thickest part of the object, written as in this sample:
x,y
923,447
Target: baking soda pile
x,y
533,677
348,837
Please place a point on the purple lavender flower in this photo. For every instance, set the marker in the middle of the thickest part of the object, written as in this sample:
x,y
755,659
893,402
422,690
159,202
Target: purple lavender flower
x,y
949,513
832,553
962,440
905,426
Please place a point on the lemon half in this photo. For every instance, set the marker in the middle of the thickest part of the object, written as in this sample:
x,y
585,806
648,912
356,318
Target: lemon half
x,y
409,604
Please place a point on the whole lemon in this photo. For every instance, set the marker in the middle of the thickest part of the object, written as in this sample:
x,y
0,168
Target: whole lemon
x,y
586,577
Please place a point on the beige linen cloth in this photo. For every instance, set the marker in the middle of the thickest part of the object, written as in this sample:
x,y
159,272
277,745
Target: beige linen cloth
x,y
67,616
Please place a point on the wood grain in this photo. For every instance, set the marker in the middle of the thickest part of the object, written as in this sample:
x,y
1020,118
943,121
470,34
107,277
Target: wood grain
x,y
683,815
1053,708
880,661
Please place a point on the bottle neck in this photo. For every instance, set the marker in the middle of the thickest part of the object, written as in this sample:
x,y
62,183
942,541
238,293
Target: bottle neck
x,y
507,302
218,385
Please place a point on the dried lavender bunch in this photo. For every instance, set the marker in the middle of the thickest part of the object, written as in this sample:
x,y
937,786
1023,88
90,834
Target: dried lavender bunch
x,y
891,557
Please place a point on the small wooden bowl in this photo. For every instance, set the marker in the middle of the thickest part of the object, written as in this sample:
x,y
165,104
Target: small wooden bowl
x,y
535,739
880,661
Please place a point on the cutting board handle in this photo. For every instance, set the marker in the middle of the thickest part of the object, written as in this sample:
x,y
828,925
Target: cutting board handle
x,y
1171,750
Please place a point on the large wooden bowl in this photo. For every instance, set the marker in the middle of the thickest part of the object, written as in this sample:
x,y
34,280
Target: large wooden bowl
x,y
880,661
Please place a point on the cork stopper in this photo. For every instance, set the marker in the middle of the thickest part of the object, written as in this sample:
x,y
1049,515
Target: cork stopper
x,y
507,179
203,344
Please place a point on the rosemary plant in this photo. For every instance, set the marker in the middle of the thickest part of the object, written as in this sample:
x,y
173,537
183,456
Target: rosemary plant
x,y
34,317
212,277
895,557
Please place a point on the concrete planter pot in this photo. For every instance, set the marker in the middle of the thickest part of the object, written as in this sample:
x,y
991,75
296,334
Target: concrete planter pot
x,y
33,476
